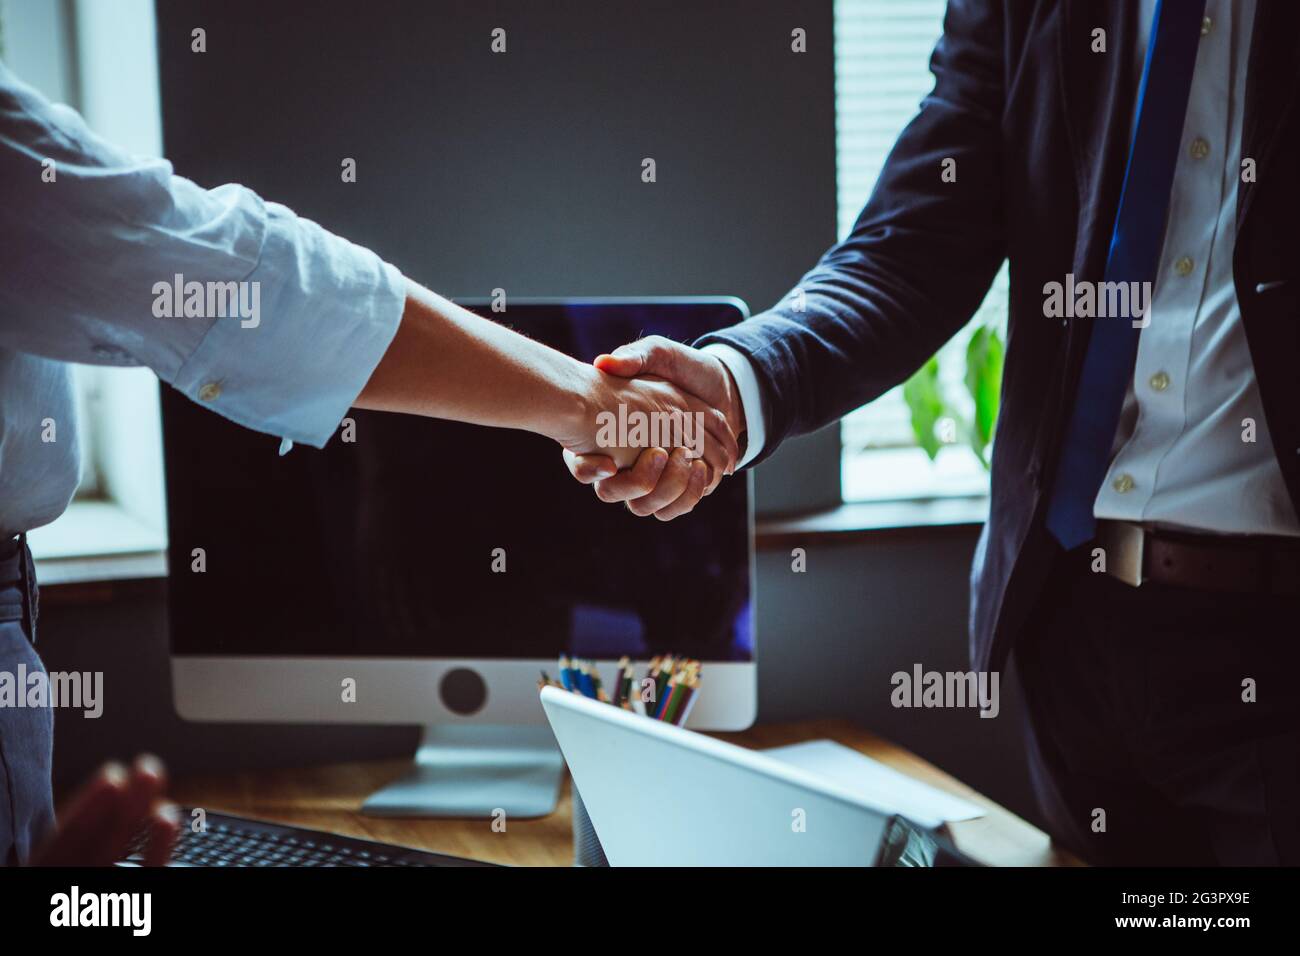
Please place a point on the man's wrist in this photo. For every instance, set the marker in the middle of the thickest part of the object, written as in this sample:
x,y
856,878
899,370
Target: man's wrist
x,y
745,397
735,408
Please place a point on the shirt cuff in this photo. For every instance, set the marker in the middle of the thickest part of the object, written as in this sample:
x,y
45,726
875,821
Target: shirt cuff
x,y
751,401
328,311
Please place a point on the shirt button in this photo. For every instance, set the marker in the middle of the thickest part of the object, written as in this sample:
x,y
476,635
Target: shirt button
x,y
1123,484
1200,148
210,392
1184,266
1160,381
1206,25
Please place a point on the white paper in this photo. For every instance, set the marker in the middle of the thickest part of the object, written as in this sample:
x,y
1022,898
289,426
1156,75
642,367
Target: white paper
x,y
892,791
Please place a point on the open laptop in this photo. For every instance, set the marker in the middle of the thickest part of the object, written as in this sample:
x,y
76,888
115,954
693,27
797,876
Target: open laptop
x,y
659,795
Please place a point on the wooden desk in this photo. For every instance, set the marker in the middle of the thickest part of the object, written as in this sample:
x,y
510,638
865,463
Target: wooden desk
x,y
329,798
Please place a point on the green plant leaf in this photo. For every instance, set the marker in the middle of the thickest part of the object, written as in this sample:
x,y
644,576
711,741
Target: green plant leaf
x,y
984,355
925,401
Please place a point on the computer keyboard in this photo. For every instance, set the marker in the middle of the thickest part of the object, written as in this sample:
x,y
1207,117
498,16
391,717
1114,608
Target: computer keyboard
x,y
236,841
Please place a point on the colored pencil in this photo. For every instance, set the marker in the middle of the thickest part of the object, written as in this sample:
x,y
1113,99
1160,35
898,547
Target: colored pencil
x,y
620,683
688,701
584,681
675,685
661,677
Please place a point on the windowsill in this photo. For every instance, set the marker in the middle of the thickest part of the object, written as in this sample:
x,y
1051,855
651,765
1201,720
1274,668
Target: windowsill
x,y
97,541
864,518
891,491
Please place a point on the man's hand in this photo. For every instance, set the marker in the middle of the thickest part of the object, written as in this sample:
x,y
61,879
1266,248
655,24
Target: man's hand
x,y
100,823
659,483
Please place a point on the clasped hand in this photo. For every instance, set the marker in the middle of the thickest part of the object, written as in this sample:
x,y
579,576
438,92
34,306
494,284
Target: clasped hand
x,y
657,374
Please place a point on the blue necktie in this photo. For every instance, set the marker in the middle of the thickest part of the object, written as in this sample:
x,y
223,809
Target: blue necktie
x,y
1134,257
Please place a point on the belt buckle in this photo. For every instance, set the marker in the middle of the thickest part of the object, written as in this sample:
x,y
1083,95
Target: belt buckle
x,y
1123,543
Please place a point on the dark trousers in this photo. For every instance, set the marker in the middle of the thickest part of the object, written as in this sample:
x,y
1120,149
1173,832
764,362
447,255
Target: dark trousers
x,y
1144,748
26,733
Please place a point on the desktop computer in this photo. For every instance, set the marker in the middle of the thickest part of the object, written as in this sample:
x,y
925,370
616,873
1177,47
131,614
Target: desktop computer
x,y
422,571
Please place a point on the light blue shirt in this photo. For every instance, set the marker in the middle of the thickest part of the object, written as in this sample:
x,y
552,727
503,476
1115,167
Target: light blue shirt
x,y
111,259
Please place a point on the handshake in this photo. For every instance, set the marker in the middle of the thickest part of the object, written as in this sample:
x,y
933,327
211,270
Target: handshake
x,y
660,426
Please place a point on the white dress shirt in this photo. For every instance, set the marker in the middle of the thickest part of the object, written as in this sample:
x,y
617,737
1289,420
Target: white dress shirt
x,y
82,252
1179,457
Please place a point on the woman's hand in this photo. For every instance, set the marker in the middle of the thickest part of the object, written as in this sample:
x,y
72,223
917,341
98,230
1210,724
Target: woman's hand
x,y
447,362
100,823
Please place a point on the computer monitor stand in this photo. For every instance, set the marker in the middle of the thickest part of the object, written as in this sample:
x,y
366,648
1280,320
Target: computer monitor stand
x,y
476,770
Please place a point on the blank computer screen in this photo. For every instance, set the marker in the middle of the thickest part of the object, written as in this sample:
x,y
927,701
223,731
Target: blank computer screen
x,y
386,545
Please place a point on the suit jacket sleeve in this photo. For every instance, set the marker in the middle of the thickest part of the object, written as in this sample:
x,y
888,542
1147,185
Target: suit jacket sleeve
x,y
918,262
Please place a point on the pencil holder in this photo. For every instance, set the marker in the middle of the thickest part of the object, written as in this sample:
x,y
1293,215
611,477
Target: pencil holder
x,y
587,850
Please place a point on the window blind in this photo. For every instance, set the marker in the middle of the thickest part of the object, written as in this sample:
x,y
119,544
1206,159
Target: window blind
x,y
882,57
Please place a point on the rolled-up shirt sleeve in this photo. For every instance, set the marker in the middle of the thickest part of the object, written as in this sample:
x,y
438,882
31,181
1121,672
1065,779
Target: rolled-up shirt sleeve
x,y
240,304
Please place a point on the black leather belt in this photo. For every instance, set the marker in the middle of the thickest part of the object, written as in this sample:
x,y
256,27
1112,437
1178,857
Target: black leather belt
x,y
1246,564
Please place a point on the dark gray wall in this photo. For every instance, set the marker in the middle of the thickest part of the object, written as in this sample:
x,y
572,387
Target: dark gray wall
x,y
523,171
830,638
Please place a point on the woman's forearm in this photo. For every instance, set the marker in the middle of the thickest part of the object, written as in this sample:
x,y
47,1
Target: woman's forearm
x,y
447,362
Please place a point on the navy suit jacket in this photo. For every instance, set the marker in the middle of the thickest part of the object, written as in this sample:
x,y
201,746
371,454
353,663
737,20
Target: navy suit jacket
x,y
1039,126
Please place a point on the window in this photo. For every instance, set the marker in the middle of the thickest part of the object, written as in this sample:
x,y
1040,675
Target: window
x,y
882,56
100,58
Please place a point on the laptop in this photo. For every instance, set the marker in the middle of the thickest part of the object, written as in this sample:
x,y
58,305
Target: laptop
x,y
659,795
